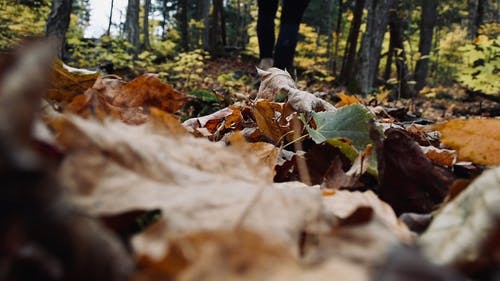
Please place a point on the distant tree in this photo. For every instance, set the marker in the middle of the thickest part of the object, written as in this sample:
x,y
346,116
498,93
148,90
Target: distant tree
x,y
183,23
146,45
110,22
131,27
346,74
427,22
397,41
206,22
58,23
371,45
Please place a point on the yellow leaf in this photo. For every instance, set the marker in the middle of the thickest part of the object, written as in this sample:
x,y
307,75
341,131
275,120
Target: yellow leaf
x,y
476,140
346,100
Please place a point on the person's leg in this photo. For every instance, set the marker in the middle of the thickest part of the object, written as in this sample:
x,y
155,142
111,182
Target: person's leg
x,y
265,27
291,17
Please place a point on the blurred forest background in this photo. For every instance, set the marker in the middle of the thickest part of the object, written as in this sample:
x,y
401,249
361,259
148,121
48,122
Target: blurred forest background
x,y
366,46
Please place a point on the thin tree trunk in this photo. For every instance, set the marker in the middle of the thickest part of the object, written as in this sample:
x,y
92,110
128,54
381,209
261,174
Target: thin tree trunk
x,y
183,24
371,45
352,42
110,22
131,27
329,41
146,45
58,23
388,65
338,30
206,23
427,23
397,40
479,15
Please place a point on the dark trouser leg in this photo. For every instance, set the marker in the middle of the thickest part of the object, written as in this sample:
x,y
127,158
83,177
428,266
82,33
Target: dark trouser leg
x,y
291,17
265,27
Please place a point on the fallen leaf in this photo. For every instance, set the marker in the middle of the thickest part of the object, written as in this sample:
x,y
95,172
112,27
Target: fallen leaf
x,y
408,180
464,234
476,140
146,90
350,122
336,178
275,80
443,157
346,99
67,82
272,121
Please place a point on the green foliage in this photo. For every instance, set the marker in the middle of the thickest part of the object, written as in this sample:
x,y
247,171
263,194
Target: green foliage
x,y
347,129
448,59
18,21
481,69
187,68
350,122
233,81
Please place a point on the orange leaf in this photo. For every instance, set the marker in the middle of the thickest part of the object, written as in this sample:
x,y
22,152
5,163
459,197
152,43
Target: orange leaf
x,y
65,84
267,115
476,140
346,100
145,90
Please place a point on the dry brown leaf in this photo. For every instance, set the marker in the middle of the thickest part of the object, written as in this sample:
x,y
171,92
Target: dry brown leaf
x,y
465,232
67,82
146,90
275,80
268,116
476,140
344,203
346,99
443,157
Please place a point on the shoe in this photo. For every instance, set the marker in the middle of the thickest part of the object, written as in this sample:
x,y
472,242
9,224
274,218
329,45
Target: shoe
x,y
266,63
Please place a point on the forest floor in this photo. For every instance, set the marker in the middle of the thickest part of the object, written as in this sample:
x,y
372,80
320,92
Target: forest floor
x,y
435,103
143,180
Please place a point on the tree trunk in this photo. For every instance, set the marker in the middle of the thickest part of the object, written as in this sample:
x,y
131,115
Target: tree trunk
x,y
472,11
397,40
479,15
145,25
427,23
206,23
182,17
218,28
371,45
338,29
131,27
352,42
329,31
58,23
110,22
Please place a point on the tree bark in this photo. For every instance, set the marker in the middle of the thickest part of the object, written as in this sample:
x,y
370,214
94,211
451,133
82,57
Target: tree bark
x,y
206,23
397,40
481,7
182,17
371,45
131,27
427,23
352,42
146,45
338,30
58,23
110,22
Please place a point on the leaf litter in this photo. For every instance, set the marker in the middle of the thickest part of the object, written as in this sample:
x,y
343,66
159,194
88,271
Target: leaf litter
x,y
219,197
